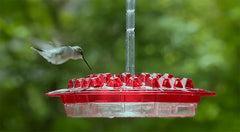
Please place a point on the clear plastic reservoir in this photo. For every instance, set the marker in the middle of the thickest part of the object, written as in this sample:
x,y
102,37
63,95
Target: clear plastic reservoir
x,y
136,109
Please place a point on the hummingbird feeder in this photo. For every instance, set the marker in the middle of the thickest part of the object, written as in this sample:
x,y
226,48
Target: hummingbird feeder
x,y
128,94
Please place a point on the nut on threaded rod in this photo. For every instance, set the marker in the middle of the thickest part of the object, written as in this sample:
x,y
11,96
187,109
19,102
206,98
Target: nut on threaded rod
x,y
130,36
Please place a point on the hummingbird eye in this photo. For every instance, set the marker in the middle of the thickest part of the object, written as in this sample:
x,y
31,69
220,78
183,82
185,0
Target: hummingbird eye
x,y
80,51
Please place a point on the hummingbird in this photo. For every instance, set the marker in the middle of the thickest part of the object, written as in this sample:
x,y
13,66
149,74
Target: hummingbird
x,y
59,54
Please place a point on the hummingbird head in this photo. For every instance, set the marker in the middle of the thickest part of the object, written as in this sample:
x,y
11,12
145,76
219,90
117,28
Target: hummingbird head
x,y
78,52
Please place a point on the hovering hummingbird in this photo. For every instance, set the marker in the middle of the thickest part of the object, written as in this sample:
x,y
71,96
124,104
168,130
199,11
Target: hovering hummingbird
x,y
58,54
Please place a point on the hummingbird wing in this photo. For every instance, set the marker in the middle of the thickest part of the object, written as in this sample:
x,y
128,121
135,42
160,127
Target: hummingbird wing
x,y
57,42
43,45
58,39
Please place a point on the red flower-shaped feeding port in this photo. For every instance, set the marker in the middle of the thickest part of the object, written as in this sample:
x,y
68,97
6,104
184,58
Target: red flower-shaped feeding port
x,y
144,95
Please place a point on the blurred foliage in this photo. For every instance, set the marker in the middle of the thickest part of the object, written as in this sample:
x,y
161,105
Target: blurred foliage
x,y
198,39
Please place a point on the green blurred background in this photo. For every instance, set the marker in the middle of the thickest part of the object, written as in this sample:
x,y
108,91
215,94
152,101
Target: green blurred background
x,y
197,39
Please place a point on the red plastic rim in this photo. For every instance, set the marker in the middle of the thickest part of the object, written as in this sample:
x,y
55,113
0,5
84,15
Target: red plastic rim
x,y
105,87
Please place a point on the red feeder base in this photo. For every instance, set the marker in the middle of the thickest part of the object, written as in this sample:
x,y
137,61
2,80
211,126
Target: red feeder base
x,y
147,95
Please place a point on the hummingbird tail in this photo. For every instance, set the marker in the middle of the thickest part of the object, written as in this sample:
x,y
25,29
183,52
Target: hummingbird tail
x,y
37,49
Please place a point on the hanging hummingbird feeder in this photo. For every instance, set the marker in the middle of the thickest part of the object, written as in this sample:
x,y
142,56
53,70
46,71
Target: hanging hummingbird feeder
x,y
129,94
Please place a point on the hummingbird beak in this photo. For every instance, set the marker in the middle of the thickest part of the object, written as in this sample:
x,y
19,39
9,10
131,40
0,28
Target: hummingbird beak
x,y
86,63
